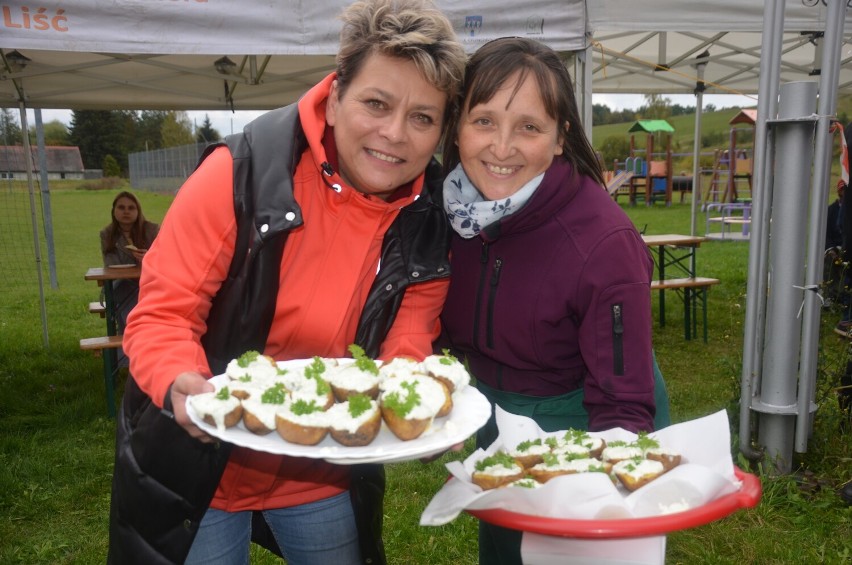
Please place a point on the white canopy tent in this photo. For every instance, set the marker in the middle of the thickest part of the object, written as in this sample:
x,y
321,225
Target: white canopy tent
x,y
138,54
255,55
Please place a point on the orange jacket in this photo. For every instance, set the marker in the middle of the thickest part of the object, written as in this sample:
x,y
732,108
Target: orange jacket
x,y
326,271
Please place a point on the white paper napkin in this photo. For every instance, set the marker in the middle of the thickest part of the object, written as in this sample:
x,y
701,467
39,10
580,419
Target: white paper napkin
x,y
706,473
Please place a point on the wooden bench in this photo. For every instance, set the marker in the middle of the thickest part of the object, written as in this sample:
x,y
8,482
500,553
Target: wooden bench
x,y
692,290
101,345
97,308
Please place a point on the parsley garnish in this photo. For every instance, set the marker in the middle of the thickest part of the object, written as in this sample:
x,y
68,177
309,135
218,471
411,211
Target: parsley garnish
x,y
402,406
362,361
358,404
644,442
275,394
223,393
447,359
246,358
526,445
500,458
302,407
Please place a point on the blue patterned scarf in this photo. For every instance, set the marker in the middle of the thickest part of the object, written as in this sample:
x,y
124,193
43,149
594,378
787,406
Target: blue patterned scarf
x,y
469,212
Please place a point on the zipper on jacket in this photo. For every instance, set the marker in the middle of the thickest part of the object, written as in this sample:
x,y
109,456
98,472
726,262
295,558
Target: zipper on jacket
x,y
483,269
617,340
492,295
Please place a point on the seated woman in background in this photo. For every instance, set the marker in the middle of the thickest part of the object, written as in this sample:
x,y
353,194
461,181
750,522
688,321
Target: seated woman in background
x,y
124,242
549,301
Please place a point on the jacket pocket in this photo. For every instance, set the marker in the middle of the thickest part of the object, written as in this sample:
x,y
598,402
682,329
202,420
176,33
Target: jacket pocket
x,y
617,339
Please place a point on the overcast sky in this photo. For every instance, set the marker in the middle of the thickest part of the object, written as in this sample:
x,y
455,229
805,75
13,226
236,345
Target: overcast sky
x,y
227,122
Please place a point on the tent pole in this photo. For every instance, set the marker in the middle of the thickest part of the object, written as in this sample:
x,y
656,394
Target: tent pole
x,y
829,77
700,65
36,243
773,26
45,200
696,165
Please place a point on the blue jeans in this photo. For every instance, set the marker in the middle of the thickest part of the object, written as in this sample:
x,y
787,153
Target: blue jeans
x,y
317,533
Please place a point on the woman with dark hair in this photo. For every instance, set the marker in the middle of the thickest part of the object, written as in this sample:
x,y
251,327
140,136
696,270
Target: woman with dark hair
x,y
124,242
549,302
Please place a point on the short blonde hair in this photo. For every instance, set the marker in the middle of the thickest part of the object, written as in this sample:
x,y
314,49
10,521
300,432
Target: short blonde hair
x,y
414,30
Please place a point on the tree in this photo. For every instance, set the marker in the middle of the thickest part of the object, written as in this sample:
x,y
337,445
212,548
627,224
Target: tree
x,y
10,130
99,133
614,147
110,167
149,127
656,107
176,130
55,134
207,133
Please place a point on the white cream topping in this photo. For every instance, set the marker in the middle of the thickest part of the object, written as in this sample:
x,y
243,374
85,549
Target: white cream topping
x,y
499,470
206,404
532,449
398,367
339,417
591,442
432,395
350,377
252,388
453,371
526,482
584,465
259,368
318,419
617,452
571,449
637,470
263,412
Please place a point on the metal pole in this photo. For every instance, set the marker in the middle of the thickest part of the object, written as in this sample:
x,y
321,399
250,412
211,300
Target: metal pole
x,y
829,77
36,240
696,148
770,63
787,243
45,200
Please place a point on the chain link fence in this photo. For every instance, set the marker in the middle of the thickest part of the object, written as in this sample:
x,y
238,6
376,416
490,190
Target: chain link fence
x,y
163,170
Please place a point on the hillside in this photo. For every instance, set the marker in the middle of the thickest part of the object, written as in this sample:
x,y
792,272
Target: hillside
x,y
715,133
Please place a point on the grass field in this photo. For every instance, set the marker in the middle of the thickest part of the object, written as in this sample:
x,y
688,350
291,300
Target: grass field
x,y
56,443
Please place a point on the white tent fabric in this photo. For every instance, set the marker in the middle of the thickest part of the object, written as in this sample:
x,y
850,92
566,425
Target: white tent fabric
x,y
140,54
630,39
160,55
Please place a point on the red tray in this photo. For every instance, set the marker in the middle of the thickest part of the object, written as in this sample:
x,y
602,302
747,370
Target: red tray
x,y
746,497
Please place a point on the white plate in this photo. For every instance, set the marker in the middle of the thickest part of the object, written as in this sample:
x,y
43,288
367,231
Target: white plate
x,y
470,412
122,266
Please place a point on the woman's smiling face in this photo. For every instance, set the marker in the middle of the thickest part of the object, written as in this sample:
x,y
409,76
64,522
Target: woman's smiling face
x,y
508,140
387,124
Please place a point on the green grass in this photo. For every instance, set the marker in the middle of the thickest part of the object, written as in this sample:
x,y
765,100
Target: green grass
x,y
56,443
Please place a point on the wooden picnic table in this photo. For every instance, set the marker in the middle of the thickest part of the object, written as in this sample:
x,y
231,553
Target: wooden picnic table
x,y
104,276
675,264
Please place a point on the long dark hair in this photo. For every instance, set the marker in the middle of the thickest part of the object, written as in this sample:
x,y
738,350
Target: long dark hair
x,y
496,62
137,232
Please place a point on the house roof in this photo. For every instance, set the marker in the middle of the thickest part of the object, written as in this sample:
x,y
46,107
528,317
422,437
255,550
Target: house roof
x,y
59,159
747,116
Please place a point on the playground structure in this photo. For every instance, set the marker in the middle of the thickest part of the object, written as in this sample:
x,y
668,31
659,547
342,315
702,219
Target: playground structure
x,y
727,199
724,190
642,176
